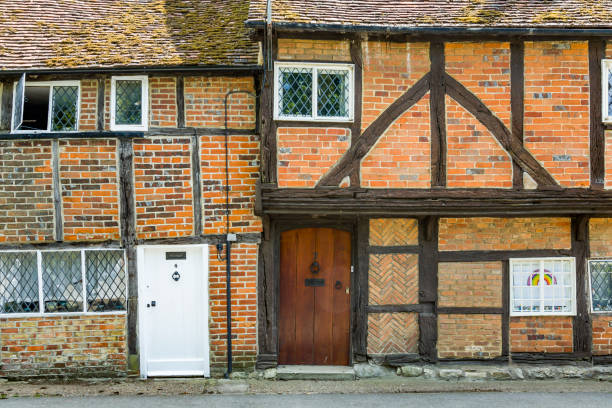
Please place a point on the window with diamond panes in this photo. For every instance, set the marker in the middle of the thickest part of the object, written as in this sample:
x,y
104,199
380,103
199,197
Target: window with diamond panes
x,y
295,92
600,272
543,286
128,102
64,108
18,282
333,93
65,278
607,90
46,106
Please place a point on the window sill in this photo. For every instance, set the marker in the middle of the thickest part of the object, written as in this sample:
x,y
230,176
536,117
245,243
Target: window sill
x,y
69,135
314,120
72,314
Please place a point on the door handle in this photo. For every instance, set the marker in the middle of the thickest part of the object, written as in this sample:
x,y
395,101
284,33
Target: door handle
x,y
153,303
338,285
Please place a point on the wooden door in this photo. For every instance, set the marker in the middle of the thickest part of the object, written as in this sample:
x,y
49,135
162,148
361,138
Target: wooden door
x,y
314,316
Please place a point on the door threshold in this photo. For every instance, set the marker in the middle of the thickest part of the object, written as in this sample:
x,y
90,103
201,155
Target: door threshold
x,y
315,372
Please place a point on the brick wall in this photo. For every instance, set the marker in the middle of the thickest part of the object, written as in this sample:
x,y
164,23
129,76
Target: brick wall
x,y
469,336
205,102
393,279
474,156
389,70
243,176
401,158
26,196
541,334
313,50
602,335
470,284
56,346
306,154
244,306
393,333
600,237
393,231
163,187
465,234
89,104
557,109
90,189
163,107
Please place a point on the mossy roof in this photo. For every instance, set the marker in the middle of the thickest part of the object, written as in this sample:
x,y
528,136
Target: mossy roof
x,y
109,33
438,13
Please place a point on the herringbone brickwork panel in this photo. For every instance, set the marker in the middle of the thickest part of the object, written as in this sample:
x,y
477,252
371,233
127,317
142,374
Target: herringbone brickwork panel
x,y
393,333
394,231
393,279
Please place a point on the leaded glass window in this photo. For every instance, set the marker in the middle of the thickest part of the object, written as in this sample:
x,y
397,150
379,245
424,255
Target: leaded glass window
x,y
606,90
543,286
64,108
58,281
309,91
129,103
600,272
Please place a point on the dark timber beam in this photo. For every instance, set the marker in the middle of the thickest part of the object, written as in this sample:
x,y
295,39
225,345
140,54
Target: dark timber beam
x,y
359,333
597,133
517,103
437,113
428,287
352,158
57,192
509,141
100,119
580,250
196,180
357,60
180,101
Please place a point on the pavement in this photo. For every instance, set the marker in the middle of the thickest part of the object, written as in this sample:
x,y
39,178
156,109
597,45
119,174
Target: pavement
x,y
424,400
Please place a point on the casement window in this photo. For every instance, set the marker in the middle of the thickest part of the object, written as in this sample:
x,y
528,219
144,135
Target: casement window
x,y
129,103
57,281
45,106
306,91
606,77
600,281
542,286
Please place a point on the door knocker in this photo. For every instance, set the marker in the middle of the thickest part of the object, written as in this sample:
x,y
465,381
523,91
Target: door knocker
x,y
315,267
176,276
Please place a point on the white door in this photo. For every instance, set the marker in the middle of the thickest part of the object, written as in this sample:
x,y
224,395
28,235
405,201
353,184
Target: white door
x,y
173,310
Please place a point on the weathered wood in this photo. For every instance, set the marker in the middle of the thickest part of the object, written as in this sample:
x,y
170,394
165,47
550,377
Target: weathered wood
x,y
101,117
268,130
398,360
211,239
258,206
474,361
71,135
420,308
180,101
360,292
404,249
517,103
265,361
428,259
505,335
361,147
186,131
357,60
311,124
582,321
266,307
196,185
437,113
428,336
500,255
57,192
599,360
513,146
470,310
59,245
6,108
597,135
548,358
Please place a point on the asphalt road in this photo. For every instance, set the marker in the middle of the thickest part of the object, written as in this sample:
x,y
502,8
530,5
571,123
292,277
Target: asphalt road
x,y
442,400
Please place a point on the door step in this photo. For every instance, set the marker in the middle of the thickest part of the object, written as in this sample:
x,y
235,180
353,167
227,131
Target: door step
x,y
314,372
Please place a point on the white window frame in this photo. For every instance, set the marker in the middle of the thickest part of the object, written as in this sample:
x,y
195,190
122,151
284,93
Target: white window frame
x,y
606,68
572,261
604,312
144,89
314,117
50,84
41,300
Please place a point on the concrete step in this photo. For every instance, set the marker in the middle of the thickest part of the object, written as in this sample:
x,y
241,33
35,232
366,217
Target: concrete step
x,y
314,372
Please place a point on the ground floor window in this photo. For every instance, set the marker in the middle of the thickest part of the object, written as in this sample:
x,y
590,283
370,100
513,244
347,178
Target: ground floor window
x,y
600,279
543,286
58,281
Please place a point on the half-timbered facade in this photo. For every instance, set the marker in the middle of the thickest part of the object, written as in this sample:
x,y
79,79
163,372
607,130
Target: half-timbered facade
x,y
435,181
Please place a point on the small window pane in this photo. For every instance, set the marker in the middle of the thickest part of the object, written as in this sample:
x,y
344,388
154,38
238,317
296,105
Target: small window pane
x,y
18,282
64,108
601,285
295,92
333,93
105,281
62,281
128,103
36,108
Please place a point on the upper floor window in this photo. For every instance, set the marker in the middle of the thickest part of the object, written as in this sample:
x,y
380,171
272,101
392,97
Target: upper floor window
x,y
600,274
607,90
307,91
129,103
45,106
542,286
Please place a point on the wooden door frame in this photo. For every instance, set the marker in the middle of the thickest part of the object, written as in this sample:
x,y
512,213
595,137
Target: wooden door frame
x,y
269,272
